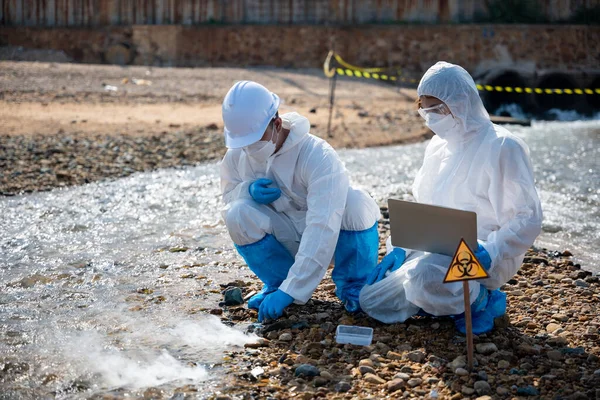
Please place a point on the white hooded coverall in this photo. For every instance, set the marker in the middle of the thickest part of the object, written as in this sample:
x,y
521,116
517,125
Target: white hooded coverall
x,y
478,167
316,202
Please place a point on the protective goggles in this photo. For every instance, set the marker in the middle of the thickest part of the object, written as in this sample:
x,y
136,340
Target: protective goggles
x,y
441,109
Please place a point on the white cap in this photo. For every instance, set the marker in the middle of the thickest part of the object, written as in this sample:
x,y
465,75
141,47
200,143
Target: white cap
x,y
248,108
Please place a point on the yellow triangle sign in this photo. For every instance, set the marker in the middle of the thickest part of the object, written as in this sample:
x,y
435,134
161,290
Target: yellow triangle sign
x,y
464,266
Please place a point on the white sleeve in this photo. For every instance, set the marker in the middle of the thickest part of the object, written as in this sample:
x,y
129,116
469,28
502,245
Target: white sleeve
x,y
327,185
517,208
232,186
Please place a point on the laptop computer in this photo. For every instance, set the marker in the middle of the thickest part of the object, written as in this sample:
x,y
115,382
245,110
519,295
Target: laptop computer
x,y
430,228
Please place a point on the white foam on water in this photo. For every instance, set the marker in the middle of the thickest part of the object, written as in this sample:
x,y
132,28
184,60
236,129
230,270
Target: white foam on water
x,y
143,353
113,368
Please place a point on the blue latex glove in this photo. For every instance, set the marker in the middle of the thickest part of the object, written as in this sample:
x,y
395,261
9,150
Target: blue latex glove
x,y
484,257
391,262
273,305
263,194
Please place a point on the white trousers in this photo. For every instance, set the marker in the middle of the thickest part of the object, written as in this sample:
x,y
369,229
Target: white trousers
x,y
417,284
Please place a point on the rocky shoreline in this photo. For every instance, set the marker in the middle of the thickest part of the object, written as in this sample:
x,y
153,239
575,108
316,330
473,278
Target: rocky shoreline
x,y
547,346
60,126
43,162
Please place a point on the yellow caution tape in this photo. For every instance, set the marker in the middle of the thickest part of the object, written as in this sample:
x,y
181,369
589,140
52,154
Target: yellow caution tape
x,y
354,67
517,89
375,73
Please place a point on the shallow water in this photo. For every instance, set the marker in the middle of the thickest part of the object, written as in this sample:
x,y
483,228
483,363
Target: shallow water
x,y
99,297
93,300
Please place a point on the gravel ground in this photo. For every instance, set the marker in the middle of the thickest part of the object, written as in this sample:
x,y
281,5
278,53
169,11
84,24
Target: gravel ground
x,y
547,346
60,126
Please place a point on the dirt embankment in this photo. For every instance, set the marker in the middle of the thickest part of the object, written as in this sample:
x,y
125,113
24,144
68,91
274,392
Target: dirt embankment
x,y
68,124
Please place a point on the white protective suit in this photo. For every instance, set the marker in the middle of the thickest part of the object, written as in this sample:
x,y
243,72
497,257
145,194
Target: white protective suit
x,y
316,202
478,167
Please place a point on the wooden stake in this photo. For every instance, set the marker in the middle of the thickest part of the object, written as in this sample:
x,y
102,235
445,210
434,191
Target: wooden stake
x,y
331,102
469,325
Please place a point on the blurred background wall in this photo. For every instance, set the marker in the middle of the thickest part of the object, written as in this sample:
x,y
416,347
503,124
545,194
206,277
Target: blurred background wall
x,y
96,13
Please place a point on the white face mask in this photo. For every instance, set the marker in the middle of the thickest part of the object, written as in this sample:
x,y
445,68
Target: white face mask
x,y
263,149
445,126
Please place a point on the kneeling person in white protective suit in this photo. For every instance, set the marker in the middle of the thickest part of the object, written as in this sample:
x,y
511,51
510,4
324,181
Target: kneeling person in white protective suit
x,y
470,164
289,208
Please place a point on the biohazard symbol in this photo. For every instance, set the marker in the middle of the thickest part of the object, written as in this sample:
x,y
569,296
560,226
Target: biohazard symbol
x,y
464,265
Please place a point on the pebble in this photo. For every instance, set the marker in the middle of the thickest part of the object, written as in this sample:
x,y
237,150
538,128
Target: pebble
x,y
285,337
342,387
320,381
552,327
402,375
502,391
233,297
416,356
393,355
366,362
372,378
306,370
326,375
414,382
482,387
458,362
554,355
486,348
528,391
503,364
581,283
364,369
395,385
461,372
467,391
435,325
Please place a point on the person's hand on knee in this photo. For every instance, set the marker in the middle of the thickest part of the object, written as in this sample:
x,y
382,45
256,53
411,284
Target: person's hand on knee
x,y
483,257
262,193
390,262
273,305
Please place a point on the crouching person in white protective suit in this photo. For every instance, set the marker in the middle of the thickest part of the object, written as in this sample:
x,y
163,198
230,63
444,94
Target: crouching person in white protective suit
x,y
474,165
289,208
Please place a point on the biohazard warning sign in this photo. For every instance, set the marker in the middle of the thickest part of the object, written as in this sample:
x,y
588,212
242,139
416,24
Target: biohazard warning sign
x,y
464,266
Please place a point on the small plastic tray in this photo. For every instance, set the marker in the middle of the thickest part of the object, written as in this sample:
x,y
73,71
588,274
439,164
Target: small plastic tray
x,y
349,334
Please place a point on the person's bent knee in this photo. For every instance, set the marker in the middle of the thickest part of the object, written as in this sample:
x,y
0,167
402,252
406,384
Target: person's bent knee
x,y
361,211
245,222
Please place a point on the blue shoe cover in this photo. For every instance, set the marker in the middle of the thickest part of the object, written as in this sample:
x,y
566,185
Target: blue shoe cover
x,y
270,261
483,313
355,257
